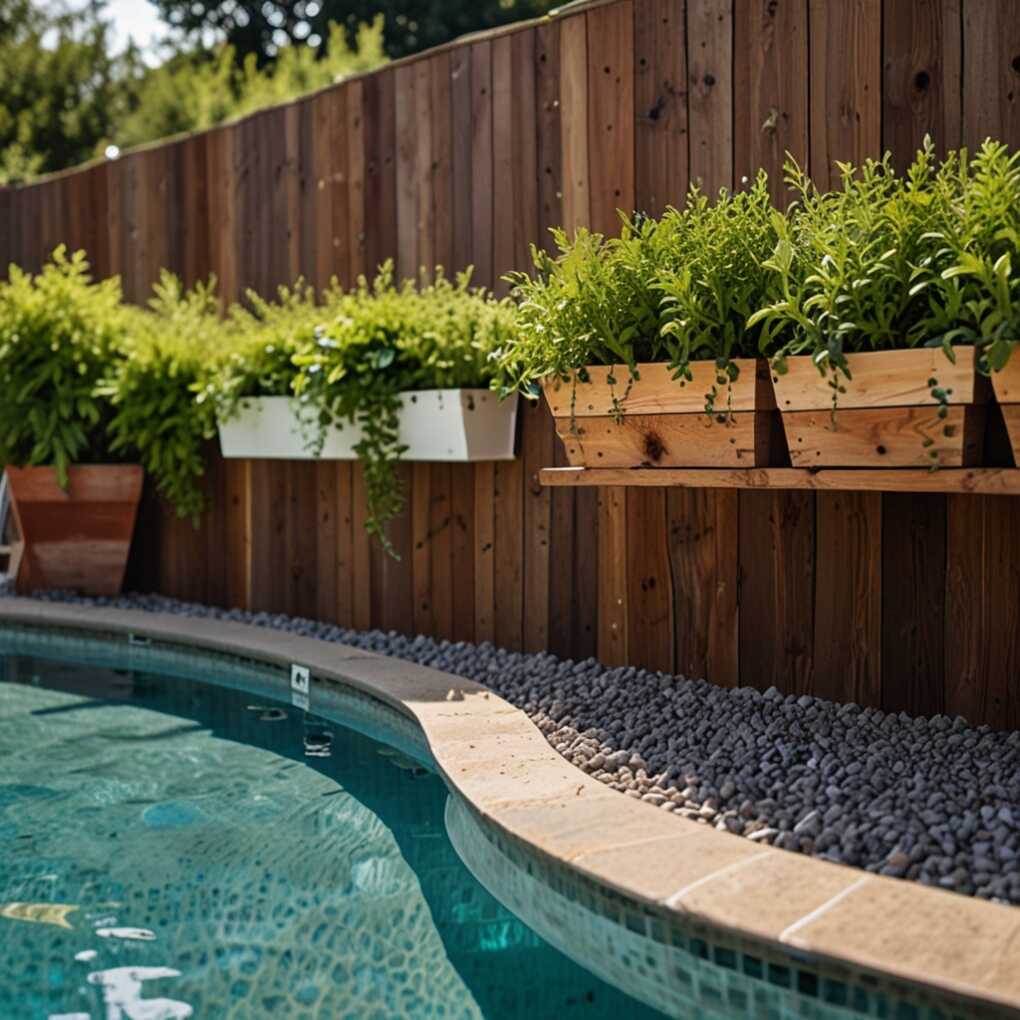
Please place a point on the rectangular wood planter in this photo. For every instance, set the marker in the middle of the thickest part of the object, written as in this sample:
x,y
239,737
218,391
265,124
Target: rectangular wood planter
x,y
77,539
1007,393
661,422
435,425
887,417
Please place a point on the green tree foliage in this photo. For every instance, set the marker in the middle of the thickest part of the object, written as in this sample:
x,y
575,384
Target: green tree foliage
x,y
192,91
65,96
262,28
61,88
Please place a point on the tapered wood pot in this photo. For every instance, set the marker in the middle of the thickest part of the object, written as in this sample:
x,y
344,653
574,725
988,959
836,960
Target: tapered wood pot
x,y
658,422
1007,394
77,539
887,416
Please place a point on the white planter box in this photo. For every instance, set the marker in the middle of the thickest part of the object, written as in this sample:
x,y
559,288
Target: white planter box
x,y
451,425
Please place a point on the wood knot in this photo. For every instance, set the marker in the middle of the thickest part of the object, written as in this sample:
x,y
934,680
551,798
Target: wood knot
x,y
654,447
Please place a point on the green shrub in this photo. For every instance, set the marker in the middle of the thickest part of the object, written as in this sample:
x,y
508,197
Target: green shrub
x,y
976,297
384,339
170,349
60,334
678,289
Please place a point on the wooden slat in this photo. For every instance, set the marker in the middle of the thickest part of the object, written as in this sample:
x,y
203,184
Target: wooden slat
x,y
922,50
508,553
461,166
548,129
441,127
649,581
985,480
462,551
770,65
505,166
361,556
710,92
848,597
611,114
991,44
845,84
352,162
425,254
421,537
537,452
330,178
613,634
484,553
482,181
982,616
378,120
913,603
573,64
776,590
525,145
703,545
660,105
441,579
407,170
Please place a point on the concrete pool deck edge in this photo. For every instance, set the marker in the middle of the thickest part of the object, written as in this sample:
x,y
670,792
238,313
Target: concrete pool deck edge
x,y
494,756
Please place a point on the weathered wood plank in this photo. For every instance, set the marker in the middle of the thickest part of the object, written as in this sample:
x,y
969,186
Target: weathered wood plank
x,y
441,128
649,581
461,95
770,49
506,167
776,591
913,603
848,597
482,179
845,84
660,105
703,540
710,93
484,552
922,51
407,126
573,64
991,100
537,452
613,607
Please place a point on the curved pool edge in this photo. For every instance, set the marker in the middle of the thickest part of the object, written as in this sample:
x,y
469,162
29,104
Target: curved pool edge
x,y
494,757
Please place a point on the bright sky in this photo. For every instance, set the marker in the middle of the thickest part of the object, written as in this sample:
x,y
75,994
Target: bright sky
x,y
134,19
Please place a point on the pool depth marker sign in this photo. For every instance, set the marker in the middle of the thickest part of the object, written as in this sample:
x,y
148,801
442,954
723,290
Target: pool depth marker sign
x,y
300,686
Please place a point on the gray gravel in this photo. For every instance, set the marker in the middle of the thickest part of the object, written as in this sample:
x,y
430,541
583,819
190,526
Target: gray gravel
x,y
933,800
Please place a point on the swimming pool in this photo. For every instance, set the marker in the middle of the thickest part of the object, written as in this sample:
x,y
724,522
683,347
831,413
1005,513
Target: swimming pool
x,y
174,848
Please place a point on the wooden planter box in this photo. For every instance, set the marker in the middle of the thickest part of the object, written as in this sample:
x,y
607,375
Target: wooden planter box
x,y
664,423
435,425
1007,392
78,539
887,417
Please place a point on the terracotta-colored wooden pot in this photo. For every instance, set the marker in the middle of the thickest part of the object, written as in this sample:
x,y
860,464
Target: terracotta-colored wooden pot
x,y
887,416
79,538
659,422
1007,394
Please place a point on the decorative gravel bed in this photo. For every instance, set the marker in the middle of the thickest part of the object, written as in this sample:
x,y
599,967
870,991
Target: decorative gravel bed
x,y
934,800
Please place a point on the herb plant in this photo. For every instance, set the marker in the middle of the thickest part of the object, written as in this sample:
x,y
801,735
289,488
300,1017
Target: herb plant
x,y
385,339
60,334
677,289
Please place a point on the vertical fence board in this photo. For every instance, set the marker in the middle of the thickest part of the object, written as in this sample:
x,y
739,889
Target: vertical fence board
x,y
537,452
991,74
913,603
421,560
776,590
703,532
710,92
573,63
848,597
485,554
462,551
441,127
770,48
505,166
460,156
482,181
407,126
845,84
660,105
612,576
922,49
649,581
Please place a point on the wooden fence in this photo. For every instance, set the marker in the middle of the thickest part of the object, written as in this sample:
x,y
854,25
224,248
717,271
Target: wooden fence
x,y
465,155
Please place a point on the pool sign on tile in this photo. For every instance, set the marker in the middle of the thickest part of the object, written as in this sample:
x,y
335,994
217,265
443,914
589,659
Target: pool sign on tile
x,y
300,684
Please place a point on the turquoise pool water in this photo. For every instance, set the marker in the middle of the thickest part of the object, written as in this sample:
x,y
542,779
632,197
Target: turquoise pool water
x,y
171,848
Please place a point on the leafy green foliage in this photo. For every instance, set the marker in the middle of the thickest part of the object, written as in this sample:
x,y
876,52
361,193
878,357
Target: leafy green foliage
x,y
192,91
60,334
384,339
848,262
976,297
677,289
168,351
60,87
